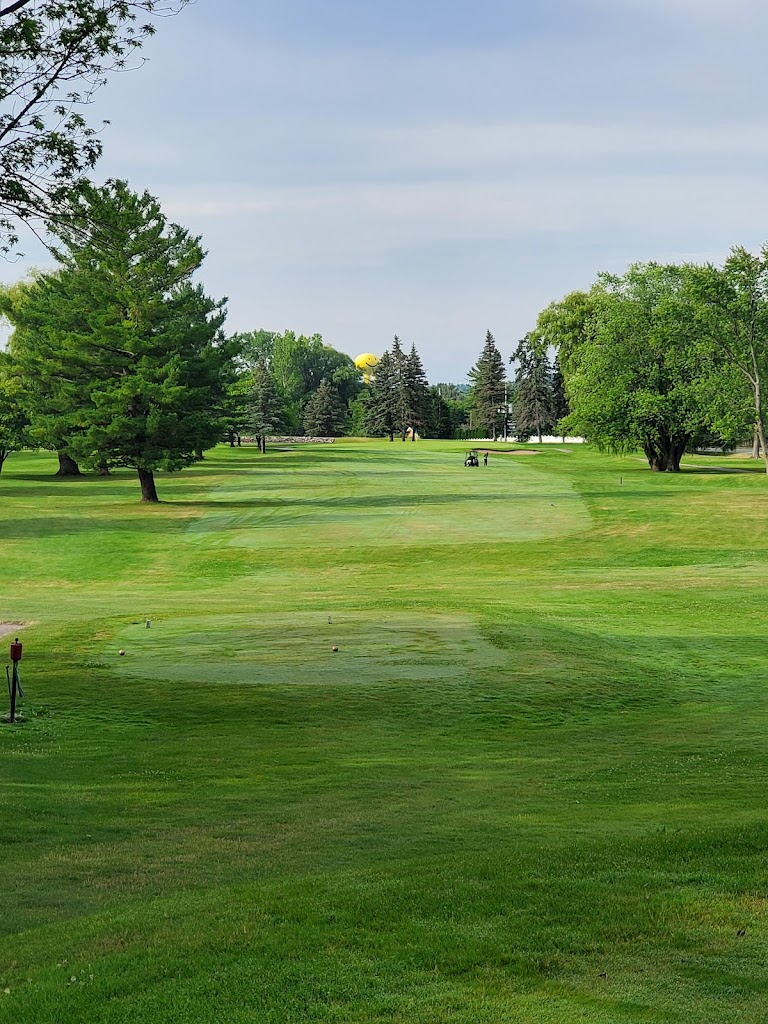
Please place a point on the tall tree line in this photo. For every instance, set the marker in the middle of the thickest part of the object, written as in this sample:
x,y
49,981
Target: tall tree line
x,y
290,369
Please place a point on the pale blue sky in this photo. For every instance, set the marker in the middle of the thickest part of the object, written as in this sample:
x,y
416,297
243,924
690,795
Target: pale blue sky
x,y
438,169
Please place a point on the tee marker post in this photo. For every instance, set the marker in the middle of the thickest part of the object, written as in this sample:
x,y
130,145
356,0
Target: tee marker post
x,y
15,682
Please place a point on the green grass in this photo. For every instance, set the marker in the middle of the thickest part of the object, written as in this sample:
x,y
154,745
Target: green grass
x,y
528,788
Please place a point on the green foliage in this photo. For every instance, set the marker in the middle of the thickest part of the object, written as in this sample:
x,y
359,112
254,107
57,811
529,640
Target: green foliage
x,y
447,410
121,354
263,408
299,364
358,414
381,400
488,379
733,313
398,399
638,372
325,414
54,55
13,416
560,407
416,392
532,393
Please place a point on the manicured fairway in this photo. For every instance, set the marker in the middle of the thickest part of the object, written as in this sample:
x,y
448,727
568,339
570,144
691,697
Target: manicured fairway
x,y
529,788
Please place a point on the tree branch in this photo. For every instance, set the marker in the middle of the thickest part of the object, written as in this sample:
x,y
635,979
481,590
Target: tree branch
x,y
14,7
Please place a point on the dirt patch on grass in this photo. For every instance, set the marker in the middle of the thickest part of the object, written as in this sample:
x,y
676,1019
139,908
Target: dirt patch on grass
x,y
10,627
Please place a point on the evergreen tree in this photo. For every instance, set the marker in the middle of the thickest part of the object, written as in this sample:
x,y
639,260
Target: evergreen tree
x,y
13,417
262,407
401,397
381,400
488,379
448,410
416,389
439,418
533,396
45,399
358,414
325,414
123,354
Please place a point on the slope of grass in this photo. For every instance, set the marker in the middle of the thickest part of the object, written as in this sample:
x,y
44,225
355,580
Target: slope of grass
x,y
529,786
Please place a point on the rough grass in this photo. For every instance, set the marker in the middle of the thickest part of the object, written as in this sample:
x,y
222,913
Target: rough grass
x,y
529,787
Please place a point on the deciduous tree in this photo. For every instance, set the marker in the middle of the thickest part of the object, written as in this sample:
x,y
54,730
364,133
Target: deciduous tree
x,y
734,312
54,55
560,407
638,372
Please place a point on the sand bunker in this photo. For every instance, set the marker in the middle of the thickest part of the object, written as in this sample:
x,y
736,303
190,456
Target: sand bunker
x,y
10,627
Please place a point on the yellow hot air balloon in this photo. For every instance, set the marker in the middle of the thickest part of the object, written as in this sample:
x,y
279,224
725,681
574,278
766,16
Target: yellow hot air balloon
x,y
367,363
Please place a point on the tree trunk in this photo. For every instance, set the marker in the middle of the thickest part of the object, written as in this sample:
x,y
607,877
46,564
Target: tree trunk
x,y
755,443
761,436
103,469
676,452
656,459
664,455
3,457
147,481
199,454
759,428
238,440
67,465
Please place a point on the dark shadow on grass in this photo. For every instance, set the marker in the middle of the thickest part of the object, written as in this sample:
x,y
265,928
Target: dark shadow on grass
x,y
726,470
40,527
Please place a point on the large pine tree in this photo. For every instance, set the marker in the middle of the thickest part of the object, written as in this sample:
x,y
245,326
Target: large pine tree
x,y
400,395
325,414
488,378
381,400
123,351
416,389
13,416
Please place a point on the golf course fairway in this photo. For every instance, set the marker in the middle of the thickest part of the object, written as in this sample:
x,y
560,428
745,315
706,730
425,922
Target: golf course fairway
x,y
529,787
